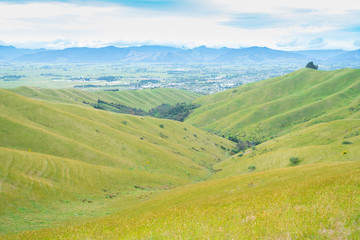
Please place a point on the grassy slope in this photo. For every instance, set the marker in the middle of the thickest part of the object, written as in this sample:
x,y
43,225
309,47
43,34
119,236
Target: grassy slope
x,y
320,201
313,112
73,144
144,99
280,105
39,190
318,143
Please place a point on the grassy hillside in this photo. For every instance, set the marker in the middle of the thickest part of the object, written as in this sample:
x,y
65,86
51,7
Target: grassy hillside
x,y
335,141
39,190
62,152
273,107
320,201
77,163
144,99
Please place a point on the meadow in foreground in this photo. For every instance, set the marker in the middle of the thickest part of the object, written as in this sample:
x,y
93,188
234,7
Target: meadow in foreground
x,y
320,201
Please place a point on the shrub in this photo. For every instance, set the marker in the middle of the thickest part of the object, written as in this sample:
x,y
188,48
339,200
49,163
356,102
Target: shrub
x,y
241,145
240,155
234,151
294,161
161,125
233,138
222,147
163,135
346,142
251,168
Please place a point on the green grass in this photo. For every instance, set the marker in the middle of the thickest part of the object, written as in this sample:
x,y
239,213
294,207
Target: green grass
x,y
314,144
320,201
40,190
55,152
276,106
144,99
59,156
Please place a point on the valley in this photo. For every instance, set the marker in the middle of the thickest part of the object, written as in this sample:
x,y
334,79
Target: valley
x,y
70,171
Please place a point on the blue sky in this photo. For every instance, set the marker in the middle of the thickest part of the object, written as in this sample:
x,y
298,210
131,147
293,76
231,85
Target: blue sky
x,y
280,24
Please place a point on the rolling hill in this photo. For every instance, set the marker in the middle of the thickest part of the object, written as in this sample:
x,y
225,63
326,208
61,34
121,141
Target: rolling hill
x,y
273,107
335,141
54,152
65,164
144,99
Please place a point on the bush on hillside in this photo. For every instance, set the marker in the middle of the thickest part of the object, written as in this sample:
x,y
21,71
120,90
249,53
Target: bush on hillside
x,y
294,161
251,168
176,112
241,145
234,151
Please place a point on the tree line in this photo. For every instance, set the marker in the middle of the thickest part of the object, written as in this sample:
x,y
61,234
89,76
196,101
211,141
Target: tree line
x,y
177,112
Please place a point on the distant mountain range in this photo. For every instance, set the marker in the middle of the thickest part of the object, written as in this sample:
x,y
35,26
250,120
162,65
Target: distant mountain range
x,y
163,54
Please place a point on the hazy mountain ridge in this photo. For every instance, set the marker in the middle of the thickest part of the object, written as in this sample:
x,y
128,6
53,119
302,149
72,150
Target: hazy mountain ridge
x,y
163,54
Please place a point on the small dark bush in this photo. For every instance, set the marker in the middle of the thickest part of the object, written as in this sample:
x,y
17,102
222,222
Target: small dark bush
x,y
222,147
234,151
163,135
346,142
251,168
294,161
161,125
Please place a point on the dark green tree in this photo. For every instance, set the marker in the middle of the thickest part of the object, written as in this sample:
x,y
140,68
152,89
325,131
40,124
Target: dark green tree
x,y
312,65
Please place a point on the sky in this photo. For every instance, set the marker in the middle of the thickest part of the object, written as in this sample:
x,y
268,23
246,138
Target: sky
x,y
277,24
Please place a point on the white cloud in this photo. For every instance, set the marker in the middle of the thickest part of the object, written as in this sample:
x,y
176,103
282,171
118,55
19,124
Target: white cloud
x,y
271,6
59,25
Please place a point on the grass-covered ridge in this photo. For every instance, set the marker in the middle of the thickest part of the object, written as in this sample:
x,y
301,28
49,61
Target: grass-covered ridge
x,y
320,201
65,152
265,109
335,141
144,99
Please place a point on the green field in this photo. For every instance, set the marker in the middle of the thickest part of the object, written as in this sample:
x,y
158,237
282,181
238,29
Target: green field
x,y
73,172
